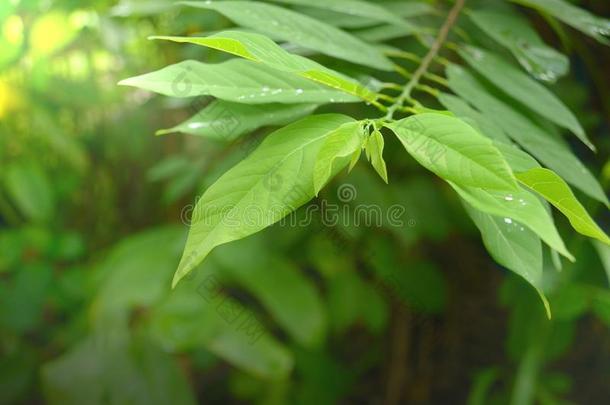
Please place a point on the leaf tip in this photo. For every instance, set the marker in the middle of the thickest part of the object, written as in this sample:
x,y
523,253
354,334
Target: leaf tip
x,y
161,132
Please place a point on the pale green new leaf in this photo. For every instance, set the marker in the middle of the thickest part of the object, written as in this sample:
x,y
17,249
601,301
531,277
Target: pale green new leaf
x,y
512,245
582,20
259,48
453,150
521,206
521,87
515,33
352,8
300,29
226,121
552,187
276,179
548,150
374,151
236,80
336,151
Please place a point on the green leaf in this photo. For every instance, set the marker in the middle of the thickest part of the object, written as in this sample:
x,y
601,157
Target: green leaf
x,y
590,24
351,299
524,89
340,19
516,34
147,260
276,179
383,33
108,368
548,150
552,187
453,150
226,121
512,245
235,80
299,29
352,8
290,297
336,151
198,315
462,110
604,255
258,48
517,159
374,152
30,189
521,206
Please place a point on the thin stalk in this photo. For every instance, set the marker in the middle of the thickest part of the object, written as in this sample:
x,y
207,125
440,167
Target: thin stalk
x,y
425,64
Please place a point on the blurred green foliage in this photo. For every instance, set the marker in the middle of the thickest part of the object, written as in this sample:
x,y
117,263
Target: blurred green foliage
x,y
90,213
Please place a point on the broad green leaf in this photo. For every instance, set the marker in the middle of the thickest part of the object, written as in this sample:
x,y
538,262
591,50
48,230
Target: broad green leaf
x,y
30,189
384,32
521,206
198,315
337,19
548,150
290,297
147,260
512,245
236,80
517,159
453,150
516,34
276,179
552,187
462,110
336,151
226,121
258,48
374,151
279,22
352,299
407,9
352,8
592,25
524,89
340,19
102,369
604,256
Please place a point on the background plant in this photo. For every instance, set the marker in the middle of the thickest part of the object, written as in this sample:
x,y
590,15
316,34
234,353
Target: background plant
x,y
281,306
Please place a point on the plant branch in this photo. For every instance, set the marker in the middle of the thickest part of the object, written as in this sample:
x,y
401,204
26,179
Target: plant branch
x,y
432,52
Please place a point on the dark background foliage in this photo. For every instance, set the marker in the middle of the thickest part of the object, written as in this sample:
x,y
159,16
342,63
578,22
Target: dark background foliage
x,y
94,211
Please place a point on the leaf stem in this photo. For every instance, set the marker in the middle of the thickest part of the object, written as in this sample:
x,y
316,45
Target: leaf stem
x,y
427,60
